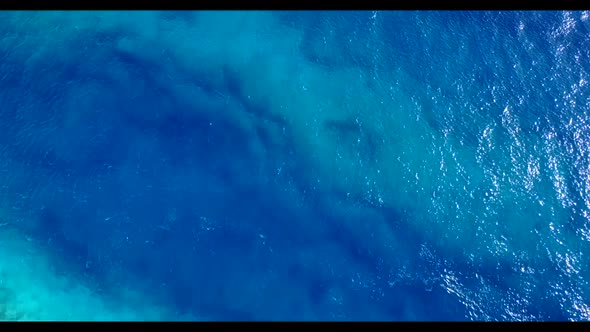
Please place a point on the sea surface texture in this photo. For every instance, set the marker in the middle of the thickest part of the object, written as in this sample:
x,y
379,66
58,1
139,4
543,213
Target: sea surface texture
x,y
413,166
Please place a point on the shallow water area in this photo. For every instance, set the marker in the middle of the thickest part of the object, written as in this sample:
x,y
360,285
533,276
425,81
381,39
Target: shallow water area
x,y
295,165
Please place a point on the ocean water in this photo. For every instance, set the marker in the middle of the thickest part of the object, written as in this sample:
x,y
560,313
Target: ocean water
x,y
258,165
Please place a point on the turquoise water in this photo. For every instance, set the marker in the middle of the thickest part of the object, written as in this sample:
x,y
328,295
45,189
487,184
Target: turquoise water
x,y
294,165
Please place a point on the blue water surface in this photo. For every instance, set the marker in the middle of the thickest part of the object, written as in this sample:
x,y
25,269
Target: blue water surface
x,y
305,165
